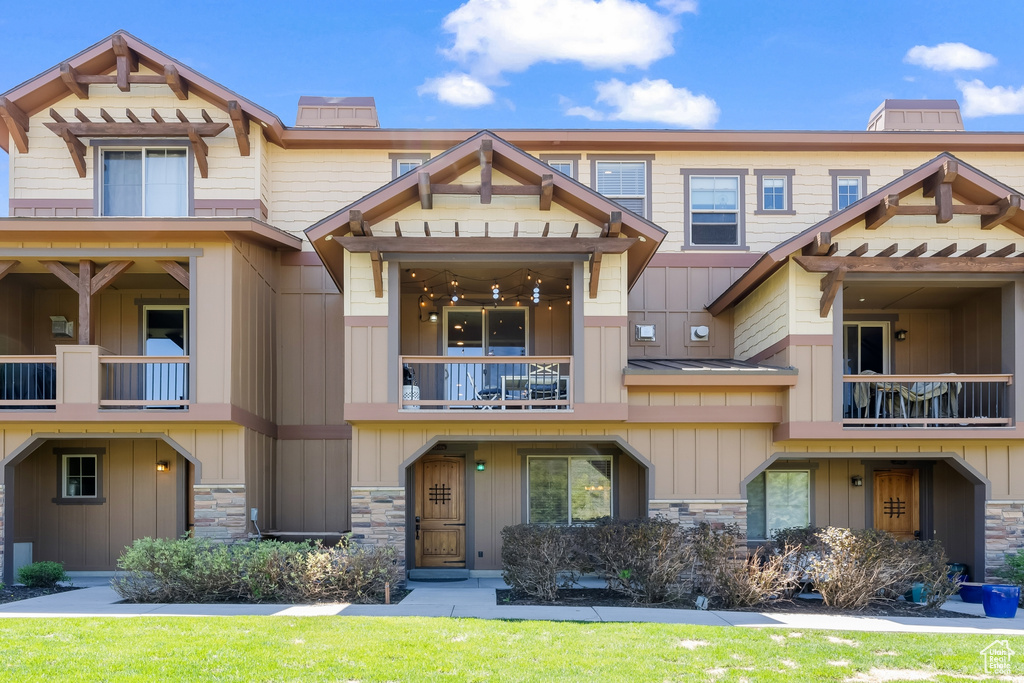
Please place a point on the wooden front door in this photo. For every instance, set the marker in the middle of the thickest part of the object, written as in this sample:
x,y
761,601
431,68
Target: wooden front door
x,y
440,511
897,505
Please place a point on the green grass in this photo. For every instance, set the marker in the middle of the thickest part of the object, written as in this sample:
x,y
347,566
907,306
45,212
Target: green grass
x,y
413,649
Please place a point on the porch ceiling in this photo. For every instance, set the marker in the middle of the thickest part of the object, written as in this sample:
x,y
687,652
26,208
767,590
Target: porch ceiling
x,y
882,295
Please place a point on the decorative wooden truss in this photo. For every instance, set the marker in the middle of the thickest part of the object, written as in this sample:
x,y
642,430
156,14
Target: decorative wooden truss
x,y
486,189
84,127
360,239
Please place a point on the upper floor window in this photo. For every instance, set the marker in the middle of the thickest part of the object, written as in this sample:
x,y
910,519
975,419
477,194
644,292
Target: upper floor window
x,y
406,165
563,167
774,191
566,164
847,187
773,194
145,182
625,182
714,212
404,162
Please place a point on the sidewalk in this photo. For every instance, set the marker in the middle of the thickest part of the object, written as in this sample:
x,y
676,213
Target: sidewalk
x,y
475,599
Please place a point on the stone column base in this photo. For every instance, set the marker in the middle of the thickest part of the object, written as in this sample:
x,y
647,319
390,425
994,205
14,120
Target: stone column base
x,y
378,517
693,512
220,513
1004,533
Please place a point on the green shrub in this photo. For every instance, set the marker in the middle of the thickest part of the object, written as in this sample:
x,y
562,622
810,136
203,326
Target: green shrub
x,y
1013,571
538,559
645,558
198,570
42,574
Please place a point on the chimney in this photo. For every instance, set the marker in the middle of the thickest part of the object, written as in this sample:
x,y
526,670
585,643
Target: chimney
x,y
908,115
337,112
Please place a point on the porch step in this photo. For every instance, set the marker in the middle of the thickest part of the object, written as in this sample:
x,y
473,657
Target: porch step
x,y
438,574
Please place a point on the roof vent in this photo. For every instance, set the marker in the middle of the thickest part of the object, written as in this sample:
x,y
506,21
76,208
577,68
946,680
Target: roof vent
x,y
337,112
917,115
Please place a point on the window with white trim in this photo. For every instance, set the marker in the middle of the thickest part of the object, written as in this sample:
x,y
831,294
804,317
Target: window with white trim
x,y
848,191
624,182
714,210
778,499
146,181
80,476
773,193
406,165
562,166
569,489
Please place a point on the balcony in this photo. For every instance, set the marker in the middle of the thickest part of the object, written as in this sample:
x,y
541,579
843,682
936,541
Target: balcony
x,y
944,400
89,375
492,383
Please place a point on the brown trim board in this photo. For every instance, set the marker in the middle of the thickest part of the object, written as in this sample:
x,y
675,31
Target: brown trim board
x,y
366,321
313,432
301,258
704,260
706,414
605,320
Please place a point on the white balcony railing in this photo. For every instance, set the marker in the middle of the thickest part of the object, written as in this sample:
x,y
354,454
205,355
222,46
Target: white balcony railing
x,y
143,381
487,383
945,400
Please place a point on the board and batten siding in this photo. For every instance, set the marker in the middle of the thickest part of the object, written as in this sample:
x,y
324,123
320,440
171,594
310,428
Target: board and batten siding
x,y
253,318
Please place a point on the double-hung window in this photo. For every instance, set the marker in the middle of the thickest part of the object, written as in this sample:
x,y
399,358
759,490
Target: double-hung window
x,y
147,181
778,499
624,182
569,489
714,210
848,186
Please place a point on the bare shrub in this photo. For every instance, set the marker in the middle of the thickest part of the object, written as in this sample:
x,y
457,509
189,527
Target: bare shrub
x,y
855,569
764,576
931,570
712,550
644,559
539,559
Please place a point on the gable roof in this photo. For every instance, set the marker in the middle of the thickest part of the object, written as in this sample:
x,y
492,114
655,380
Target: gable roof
x,y
969,185
404,191
39,92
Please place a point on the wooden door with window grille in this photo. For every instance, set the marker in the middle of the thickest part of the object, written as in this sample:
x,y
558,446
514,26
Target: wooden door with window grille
x,y
440,522
897,502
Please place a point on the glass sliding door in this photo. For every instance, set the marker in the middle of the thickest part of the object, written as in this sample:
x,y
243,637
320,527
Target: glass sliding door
x,y
473,333
165,334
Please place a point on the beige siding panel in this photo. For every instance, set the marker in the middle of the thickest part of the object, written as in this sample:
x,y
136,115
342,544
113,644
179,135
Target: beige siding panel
x,y
763,317
954,513
254,313
976,335
16,314
260,471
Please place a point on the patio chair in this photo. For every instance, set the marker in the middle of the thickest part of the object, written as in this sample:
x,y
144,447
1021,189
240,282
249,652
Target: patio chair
x,y
546,383
483,393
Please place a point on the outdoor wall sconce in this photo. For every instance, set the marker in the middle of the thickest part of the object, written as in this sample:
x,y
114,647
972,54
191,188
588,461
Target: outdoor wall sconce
x,y
432,317
901,335
61,327
481,465
162,466
857,480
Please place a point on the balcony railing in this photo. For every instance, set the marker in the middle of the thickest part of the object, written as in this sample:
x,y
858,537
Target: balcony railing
x,y
143,382
488,383
28,382
946,400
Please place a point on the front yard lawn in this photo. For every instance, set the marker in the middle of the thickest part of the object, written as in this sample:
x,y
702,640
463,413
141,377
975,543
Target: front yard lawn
x,y
412,649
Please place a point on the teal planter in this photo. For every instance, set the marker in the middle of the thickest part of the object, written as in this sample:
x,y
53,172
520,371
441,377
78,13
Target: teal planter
x,y
1000,600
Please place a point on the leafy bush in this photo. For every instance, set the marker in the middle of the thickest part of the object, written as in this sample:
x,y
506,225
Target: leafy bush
x,y
42,574
198,570
539,559
1013,571
645,559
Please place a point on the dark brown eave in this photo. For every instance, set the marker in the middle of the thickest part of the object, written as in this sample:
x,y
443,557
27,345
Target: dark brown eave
x,y
971,186
640,238
101,228
42,91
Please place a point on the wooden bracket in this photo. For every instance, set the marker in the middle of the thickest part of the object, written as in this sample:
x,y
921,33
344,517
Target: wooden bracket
x,y
175,82
595,272
977,250
127,62
17,123
614,224
240,122
830,285
69,75
820,246
200,150
5,267
1008,207
378,274
486,159
860,251
944,175
917,251
426,196
878,215
88,284
106,277
1004,252
356,223
888,251
177,271
547,190
946,250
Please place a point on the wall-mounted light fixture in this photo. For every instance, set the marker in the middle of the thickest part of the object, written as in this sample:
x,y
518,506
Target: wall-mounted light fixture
x,y
61,327
432,317
481,465
857,480
901,335
162,466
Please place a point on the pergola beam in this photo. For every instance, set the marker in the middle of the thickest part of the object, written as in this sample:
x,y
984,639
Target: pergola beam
x,y
485,245
378,274
240,123
5,267
17,123
595,273
1007,208
878,215
200,150
486,166
830,285
956,264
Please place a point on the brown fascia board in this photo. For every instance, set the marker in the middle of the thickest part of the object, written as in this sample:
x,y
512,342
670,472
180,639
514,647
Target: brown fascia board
x,y
21,228
971,185
43,90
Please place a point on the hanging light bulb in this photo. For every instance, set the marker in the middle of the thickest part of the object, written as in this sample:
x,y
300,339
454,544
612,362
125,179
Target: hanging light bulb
x,y
495,291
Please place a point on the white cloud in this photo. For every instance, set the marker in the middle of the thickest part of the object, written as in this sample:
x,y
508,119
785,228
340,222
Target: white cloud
x,y
679,6
948,57
493,36
656,101
980,100
459,89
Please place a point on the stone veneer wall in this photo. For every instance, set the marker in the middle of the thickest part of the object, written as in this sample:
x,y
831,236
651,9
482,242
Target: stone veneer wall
x,y
220,512
378,517
692,513
1004,533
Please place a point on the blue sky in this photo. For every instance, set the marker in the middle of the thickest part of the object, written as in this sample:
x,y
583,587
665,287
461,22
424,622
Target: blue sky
x,y
723,64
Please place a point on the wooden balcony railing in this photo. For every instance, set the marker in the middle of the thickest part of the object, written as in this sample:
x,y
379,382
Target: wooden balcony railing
x,y
144,382
487,383
28,382
945,400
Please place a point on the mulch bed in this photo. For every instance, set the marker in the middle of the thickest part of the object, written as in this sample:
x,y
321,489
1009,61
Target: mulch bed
x,y
15,593
602,597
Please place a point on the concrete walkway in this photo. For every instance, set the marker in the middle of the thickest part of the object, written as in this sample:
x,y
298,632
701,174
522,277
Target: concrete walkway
x,y
475,598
